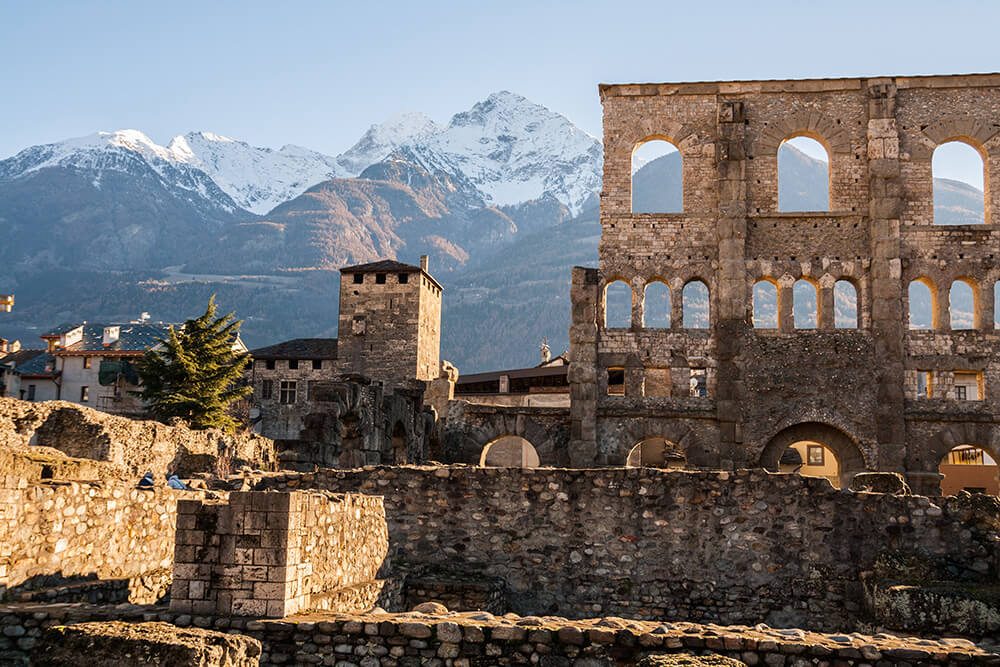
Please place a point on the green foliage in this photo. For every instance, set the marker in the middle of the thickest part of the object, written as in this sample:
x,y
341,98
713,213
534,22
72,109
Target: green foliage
x,y
196,373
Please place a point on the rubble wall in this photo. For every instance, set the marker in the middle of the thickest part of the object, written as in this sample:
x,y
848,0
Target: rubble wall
x,y
727,547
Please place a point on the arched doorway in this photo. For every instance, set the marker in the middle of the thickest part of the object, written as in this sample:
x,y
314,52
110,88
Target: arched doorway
x,y
509,451
837,449
969,468
656,453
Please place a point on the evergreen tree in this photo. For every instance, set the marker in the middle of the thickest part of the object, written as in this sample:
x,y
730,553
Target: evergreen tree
x,y
195,376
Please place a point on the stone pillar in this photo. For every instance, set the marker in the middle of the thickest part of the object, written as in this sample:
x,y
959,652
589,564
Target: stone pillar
x,y
888,318
582,374
731,297
986,306
786,304
827,312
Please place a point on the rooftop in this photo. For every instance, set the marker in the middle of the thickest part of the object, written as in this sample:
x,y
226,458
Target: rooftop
x,y
132,336
299,348
388,266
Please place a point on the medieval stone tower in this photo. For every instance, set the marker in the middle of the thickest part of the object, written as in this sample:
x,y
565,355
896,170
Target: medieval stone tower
x,y
390,321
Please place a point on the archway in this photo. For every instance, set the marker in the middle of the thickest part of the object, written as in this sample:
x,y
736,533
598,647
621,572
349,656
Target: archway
x,y
845,305
959,178
509,451
657,177
656,453
849,458
618,305
803,175
969,468
765,304
811,459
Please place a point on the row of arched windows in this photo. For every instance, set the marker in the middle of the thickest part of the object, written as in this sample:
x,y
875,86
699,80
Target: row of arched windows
x,y
958,171
928,310
767,306
693,308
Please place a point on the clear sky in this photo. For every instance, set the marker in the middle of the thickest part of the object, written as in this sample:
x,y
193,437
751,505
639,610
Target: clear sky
x,y
319,73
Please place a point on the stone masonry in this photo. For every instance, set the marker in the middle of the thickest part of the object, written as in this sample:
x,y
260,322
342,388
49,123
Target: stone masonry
x,y
767,388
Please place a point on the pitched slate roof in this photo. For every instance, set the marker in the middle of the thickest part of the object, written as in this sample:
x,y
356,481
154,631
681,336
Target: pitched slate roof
x,y
16,359
299,348
389,266
37,366
132,337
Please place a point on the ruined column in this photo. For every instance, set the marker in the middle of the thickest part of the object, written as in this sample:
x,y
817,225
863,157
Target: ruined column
x,y
582,374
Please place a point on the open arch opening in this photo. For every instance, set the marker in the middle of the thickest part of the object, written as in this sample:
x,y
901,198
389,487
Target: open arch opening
x,y
921,298
845,305
811,459
765,305
509,451
656,453
969,468
962,305
657,178
656,305
803,175
959,174
694,298
848,456
398,445
618,305
805,305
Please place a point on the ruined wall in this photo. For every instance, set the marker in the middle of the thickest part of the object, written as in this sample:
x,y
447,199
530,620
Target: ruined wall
x,y
471,427
284,420
133,446
740,547
56,533
275,554
878,235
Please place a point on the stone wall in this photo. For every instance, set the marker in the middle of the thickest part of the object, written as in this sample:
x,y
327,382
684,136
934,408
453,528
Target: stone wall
x,y
71,532
135,447
740,547
275,554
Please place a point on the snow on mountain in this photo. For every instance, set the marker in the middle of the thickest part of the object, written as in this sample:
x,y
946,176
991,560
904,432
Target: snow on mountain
x,y
379,141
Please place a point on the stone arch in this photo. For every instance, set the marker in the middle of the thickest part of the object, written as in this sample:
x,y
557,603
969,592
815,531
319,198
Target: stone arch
x,y
653,316
696,315
510,451
976,306
648,194
804,291
617,315
810,124
759,317
655,452
927,457
844,301
972,131
850,456
790,200
934,302
964,150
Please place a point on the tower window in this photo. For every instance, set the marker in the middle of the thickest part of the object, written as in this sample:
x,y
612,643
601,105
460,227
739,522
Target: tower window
x,y
380,279
359,278
404,278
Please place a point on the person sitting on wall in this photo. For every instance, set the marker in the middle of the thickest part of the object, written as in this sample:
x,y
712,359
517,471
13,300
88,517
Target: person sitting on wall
x,y
146,482
174,482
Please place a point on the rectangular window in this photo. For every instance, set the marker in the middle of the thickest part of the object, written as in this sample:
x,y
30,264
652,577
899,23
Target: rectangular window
x,y
404,278
287,395
961,392
86,362
359,278
616,382
815,455
317,364
967,386
380,279
923,384
269,364
504,384
656,382
84,394
698,383
31,392
266,389
293,364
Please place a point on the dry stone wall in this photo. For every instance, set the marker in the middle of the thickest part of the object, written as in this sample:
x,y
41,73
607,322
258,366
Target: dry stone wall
x,y
729,547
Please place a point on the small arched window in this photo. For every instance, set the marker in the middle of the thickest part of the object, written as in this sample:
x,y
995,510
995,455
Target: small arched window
x,y
803,175
657,178
696,305
618,305
959,174
962,305
805,308
765,305
921,304
845,305
656,306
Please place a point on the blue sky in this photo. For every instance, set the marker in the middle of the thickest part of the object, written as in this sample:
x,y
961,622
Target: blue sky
x,y
319,73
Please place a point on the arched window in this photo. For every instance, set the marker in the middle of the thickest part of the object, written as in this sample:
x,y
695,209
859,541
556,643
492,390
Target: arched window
x,y
656,453
961,305
959,175
694,298
803,175
921,304
765,305
657,178
618,304
805,308
509,451
968,468
656,306
845,305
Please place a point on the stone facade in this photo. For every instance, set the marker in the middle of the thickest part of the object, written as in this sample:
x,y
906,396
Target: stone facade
x,y
275,554
390,322
844,388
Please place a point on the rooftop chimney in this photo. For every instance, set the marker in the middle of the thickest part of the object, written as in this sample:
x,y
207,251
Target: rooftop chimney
x,y
423,263
111,335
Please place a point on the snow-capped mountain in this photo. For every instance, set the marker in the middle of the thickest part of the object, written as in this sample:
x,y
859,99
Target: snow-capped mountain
x,y
379,141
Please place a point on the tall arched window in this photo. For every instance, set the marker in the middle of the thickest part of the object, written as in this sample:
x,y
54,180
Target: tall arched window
x,y
618,305
845,305
765,305
656,306
803,175
962,305
805,306
959,176
921,304
657,178
695,302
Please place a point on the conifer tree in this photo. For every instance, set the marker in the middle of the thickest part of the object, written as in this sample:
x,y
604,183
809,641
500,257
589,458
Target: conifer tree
x,y
195,374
